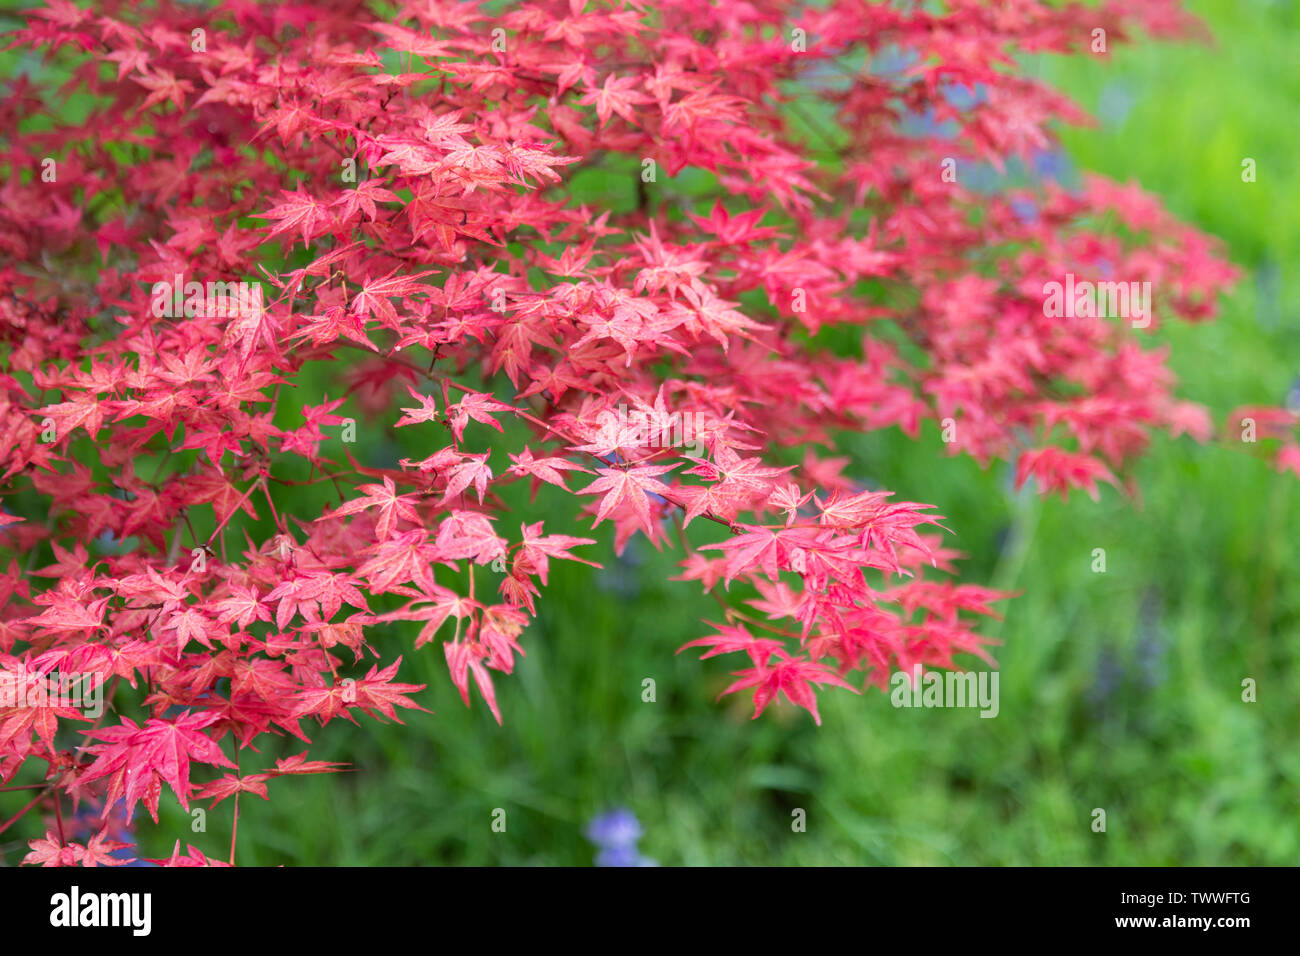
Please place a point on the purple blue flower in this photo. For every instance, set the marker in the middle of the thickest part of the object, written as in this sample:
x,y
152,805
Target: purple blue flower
x,y
86,822
615,834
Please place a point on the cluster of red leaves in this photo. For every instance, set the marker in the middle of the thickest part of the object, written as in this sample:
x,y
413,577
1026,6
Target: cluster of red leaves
x,y
457,276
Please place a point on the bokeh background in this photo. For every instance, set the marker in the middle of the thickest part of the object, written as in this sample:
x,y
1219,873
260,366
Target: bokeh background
x,y
1120,691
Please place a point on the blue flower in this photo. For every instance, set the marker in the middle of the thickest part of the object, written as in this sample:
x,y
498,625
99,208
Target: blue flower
x,y
86,822
623,856
615,834
1049,163
618,828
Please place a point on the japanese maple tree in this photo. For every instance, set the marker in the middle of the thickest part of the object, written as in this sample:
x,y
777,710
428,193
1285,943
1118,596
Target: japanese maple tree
x,y
399,180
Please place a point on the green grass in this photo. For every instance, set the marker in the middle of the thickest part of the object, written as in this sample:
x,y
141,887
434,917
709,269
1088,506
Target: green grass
x,y
1119,691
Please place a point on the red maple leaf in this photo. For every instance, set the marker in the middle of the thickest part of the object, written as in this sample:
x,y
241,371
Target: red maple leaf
x,y
631,487
136,758
377,692
300,211
391,505
795,678
617,95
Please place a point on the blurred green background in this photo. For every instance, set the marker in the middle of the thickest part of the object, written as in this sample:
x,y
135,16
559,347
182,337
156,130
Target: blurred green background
x,y
1119,691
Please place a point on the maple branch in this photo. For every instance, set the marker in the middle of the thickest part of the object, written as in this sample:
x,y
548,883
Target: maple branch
x,y
479,155
234,829
266,492
185,516
686,547
251,488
